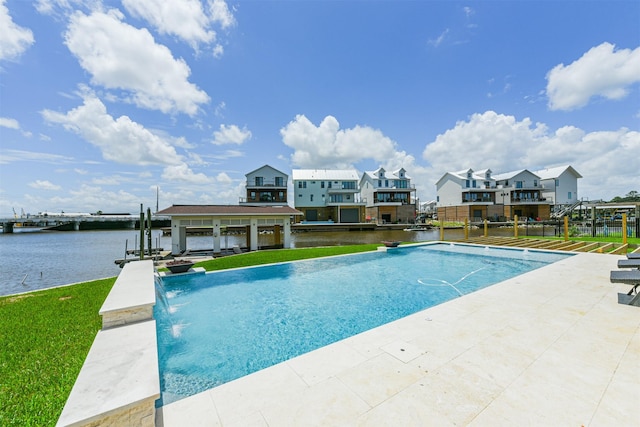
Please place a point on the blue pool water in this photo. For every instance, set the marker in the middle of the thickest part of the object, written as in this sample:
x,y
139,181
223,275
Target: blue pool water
x,y
216,327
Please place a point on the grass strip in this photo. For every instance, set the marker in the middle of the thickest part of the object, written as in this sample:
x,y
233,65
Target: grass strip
x,y
45,338
281,255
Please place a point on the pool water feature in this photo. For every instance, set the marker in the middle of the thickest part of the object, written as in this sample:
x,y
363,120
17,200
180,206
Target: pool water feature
x,y
216,327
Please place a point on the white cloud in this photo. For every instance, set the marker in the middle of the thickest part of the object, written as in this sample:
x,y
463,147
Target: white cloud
x,y
14,39
218,51
226,155
608,160
120,140
328,146
599,72
44,185
9,123
185,19
231,135
183,173
119,56
9,156
438,40
223,178
220,13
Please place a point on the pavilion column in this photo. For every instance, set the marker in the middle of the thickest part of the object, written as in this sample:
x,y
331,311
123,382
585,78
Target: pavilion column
x,y
254,235
287,233
178,238
216,236
276,235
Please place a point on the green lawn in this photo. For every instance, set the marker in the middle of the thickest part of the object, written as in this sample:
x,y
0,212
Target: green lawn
x,y
45,338
281,255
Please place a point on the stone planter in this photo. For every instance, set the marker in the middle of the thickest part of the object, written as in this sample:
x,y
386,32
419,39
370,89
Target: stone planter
x,y
179,266
389,244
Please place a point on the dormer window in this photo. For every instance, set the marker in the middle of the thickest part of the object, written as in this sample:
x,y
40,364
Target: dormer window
x,y
468,174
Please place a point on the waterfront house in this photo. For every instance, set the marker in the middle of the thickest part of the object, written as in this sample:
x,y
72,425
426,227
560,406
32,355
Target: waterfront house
x,y
467,194
476,195
520,194
389,196
265,186
328,195
560,185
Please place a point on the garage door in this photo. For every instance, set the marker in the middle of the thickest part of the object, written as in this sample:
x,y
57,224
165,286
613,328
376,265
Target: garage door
x,y
349,215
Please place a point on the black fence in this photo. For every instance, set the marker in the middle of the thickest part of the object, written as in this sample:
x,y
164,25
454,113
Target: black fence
x,y
597,228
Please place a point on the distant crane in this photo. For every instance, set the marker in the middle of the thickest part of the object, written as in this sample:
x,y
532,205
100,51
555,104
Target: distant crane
x,y
15,215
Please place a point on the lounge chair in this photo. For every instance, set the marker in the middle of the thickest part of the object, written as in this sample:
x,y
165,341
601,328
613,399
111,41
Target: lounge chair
x,y
633,255
629,277
629,263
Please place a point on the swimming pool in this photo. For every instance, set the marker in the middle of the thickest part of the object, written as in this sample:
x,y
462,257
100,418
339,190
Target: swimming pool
x,y
216,327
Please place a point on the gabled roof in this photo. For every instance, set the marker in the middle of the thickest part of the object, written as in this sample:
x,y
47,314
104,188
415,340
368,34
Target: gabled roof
x,y
555,172
390,175
509,175
266,167
325,174
227,210
462,174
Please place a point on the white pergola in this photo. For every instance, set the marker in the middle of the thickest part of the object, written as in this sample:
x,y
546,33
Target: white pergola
x,y
218,217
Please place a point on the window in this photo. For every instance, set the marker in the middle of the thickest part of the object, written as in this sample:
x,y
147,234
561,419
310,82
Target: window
x,y
386,182
259,180
468,184
329,184
473,183
569,195
311,195
321,184
518,184
557,182
379,183
348,185
279,181
252,195
535,182
266,196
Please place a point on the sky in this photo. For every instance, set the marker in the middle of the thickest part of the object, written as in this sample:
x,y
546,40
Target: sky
x,y
109,105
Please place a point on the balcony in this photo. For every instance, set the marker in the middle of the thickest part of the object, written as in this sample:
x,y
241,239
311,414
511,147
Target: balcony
x,y
410,187
341,201
270,183
263,200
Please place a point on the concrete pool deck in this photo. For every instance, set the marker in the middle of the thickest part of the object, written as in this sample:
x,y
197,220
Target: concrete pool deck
x,y
549,347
